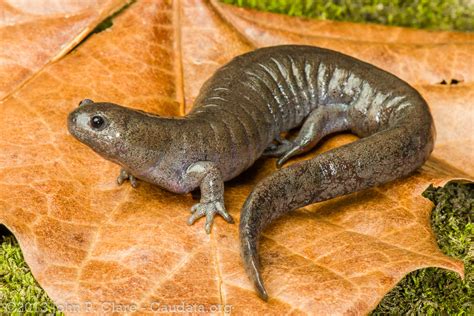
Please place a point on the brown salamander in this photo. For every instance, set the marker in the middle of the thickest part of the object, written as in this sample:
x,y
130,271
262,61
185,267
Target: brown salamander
x,y
240,114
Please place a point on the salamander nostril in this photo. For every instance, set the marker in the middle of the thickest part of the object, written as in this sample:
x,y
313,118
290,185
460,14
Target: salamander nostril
x,y
72,118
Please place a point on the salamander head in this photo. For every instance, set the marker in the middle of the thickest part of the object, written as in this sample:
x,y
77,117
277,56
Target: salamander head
x,y
109,129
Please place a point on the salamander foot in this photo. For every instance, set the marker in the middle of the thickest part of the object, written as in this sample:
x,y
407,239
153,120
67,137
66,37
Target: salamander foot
x,y
292,151
278,150
284,150
209,209
124,175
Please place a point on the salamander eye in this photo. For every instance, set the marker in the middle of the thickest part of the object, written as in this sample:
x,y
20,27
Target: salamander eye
x,y
97,122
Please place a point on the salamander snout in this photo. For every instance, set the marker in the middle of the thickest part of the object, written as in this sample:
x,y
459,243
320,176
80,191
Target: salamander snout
x,y
89,119
72,119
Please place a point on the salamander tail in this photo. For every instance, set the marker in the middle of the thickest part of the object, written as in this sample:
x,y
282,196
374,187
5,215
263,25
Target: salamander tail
x,y
370,161
252,264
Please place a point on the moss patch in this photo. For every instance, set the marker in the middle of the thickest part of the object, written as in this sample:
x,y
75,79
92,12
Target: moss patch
x,y
19,292
428,14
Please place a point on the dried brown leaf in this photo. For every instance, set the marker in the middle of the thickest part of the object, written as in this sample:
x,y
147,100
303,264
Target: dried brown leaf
x,y
87,240
35,33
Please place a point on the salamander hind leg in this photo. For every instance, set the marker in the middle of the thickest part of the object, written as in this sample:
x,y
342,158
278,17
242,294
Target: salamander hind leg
x,y
125,175
212,193
320,122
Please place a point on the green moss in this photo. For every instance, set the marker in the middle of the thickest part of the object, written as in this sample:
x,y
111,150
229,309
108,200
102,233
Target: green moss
x,y
437,291
19,292
428,14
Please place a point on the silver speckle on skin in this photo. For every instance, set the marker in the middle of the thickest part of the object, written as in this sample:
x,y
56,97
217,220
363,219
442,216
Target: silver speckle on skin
x,y
253,102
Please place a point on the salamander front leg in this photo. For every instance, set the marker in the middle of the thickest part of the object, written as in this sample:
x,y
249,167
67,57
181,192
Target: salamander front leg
x,y
212,193
319,123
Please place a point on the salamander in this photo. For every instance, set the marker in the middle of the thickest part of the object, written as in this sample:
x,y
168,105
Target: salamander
x,y
242,112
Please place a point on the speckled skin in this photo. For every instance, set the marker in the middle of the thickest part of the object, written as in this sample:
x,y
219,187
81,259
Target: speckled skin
x,y
239,115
